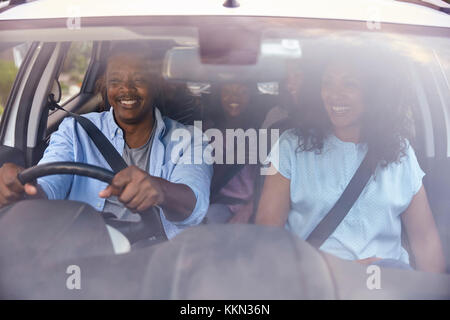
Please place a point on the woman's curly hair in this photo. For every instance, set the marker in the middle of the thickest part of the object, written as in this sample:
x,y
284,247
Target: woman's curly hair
x,y
386,125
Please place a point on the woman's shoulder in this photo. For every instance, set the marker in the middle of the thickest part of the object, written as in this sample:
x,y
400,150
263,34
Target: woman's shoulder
x,y
405,173
302,144
406,164
288,139
407,154
290,135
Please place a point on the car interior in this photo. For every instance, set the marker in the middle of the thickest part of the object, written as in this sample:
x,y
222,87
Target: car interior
x,y
193,71
181,101
187,97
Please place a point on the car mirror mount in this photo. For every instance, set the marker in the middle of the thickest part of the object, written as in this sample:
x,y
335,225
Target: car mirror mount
x,y
231,4
229,45
52,104
56,91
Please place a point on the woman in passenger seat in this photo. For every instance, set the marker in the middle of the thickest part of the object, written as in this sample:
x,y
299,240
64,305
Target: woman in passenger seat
x,y
354,105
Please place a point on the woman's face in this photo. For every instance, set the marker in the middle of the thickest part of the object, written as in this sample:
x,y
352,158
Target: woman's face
x,y
235,98
342,96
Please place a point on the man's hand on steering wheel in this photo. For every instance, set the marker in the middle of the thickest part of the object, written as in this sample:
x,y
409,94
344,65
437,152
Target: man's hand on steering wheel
x,y
136,189
11,189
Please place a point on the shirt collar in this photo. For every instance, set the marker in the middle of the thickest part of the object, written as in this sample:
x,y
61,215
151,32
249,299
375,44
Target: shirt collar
x,y
114,128
345,144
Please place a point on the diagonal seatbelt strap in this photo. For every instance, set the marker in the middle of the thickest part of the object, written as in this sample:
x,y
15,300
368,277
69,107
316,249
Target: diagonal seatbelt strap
x,y
111,155
114,159
340,209
152,220
152,225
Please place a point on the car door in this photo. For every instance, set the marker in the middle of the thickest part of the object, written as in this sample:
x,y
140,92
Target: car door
x,y
48,68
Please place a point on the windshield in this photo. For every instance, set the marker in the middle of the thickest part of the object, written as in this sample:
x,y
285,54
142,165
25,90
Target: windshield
x,y
11,57
253,121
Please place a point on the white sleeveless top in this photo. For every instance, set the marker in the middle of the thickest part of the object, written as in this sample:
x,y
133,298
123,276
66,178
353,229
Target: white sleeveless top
x,y
373,226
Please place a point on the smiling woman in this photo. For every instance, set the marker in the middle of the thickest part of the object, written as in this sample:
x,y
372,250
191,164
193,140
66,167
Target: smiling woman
x,y
354,88
344,121
315,76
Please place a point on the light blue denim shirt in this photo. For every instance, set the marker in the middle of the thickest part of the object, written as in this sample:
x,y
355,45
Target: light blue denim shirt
x,y
372,227
176,161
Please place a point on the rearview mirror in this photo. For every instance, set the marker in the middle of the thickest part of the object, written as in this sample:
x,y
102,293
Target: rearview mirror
x,y
185,65
229,45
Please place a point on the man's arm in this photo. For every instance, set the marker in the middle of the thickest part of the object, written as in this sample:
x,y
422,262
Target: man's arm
x,y
139,191
179,200
184,197
53,187
60,148
12,190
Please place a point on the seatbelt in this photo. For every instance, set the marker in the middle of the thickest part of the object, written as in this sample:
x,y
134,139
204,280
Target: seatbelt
x,y
340,209
114,159
117,163
229,174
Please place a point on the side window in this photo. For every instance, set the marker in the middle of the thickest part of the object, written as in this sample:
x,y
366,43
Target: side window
x,y
74,69
11,57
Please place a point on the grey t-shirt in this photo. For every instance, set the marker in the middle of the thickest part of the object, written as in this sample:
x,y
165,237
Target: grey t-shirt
x,y
139,157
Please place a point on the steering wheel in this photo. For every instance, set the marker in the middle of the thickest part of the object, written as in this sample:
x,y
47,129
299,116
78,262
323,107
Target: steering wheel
x,y
148,228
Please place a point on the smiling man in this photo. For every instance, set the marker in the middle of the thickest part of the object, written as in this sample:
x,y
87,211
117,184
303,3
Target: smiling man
x,y
137,130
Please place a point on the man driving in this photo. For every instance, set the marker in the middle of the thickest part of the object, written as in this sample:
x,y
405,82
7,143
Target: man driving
x,y
154,178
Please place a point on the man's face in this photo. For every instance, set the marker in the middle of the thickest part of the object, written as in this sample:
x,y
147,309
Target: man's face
x,y
128,88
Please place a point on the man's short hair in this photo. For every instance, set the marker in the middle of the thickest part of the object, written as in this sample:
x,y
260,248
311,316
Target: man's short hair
x,y
138,48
